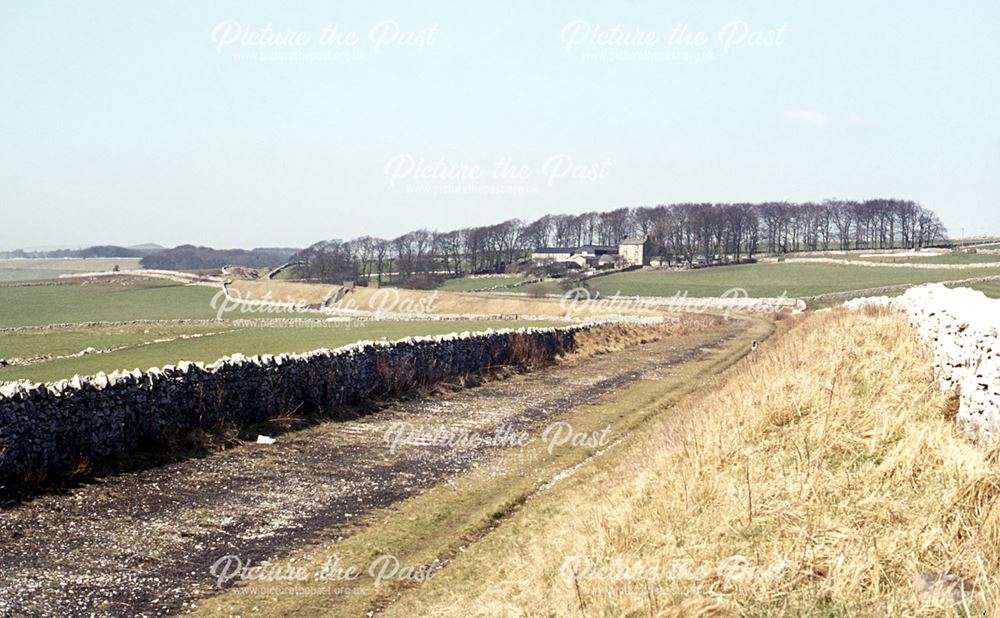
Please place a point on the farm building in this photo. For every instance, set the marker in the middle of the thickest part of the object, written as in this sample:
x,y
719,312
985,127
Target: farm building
x,y
552,254
635,251
630,252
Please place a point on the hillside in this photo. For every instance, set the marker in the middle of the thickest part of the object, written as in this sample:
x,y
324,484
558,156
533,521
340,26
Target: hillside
x,y
190,257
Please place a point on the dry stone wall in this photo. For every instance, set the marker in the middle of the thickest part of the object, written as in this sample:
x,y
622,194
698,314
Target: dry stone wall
x,y
961,327
883,264
52,427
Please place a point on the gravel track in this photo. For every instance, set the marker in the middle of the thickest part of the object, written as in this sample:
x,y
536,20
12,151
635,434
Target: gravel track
x,y
142,543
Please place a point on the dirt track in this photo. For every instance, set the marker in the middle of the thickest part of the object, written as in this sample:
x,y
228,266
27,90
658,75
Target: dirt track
x,y
143,543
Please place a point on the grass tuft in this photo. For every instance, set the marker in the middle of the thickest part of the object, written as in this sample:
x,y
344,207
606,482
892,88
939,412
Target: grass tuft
x,y
820,478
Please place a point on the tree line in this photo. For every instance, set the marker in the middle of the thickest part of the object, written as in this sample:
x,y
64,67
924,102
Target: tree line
x,y
190,257
679,233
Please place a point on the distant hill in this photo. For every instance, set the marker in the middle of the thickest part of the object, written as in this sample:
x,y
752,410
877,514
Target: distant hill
x,y
98,251
190,257
183,257
149,247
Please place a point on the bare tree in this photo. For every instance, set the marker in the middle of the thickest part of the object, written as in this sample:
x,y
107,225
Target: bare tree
x,y
679,233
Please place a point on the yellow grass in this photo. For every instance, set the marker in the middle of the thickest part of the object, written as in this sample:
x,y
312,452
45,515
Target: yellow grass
x,y
820,478
400,300
448,518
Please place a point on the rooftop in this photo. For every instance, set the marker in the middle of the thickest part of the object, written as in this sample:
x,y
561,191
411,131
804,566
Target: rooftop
x,y
555,250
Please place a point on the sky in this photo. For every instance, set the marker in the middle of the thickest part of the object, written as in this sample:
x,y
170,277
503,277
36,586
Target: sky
x,y
247,124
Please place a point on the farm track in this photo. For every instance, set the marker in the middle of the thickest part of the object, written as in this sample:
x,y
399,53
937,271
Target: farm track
x,y
143,543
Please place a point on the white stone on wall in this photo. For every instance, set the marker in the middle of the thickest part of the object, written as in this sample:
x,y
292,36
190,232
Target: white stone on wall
x,y
50,427
961,327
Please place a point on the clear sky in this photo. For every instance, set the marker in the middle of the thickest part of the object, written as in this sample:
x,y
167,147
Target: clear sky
x,y
282,123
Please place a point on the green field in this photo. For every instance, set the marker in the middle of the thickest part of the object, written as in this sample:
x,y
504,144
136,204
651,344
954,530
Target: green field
x,y
990,288
466,284
949,258
765,280
157,344
226,340
32,269
66,341
128,299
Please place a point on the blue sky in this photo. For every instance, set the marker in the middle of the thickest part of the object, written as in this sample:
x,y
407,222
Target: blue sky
x,y
172,122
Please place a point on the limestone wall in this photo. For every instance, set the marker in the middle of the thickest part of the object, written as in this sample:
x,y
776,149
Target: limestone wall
x,y
961,327
51,427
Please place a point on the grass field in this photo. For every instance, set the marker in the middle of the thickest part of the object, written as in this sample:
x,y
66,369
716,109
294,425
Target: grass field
x,y
435,302
765,280
287,274
30,270
465,284
128,299
949,258
216,341
893,258
990,288
62,342
150,345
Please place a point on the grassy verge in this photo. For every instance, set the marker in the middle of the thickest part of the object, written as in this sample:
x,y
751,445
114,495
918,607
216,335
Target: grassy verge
x,y
823,479
445,522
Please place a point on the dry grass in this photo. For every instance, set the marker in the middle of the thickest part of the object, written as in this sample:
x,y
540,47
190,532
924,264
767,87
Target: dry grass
x,y
822,478
615,337
453,517
398,299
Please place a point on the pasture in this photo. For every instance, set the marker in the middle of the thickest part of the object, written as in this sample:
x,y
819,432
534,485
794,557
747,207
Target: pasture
x,y
765,280
990,288
466,284
52,354
114,300
948,258
12,270
145,346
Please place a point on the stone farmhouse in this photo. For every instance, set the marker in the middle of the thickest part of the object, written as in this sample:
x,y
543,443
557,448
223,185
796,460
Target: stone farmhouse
x,y
629,252
635,251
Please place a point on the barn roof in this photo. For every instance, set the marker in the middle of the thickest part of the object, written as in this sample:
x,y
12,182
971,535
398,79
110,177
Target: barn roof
x,y
555,250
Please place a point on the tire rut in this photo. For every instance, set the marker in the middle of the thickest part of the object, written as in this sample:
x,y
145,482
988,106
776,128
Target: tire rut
x,y
142,543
